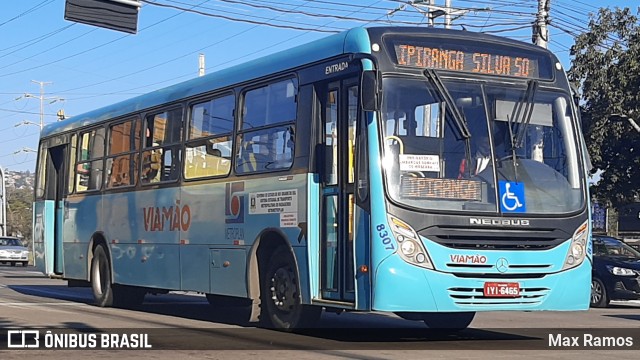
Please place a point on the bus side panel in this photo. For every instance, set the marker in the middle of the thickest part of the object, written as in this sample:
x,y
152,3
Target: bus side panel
x,y
379,224
206,231
362,255
79,224
143,229
75,246
43,235
280,203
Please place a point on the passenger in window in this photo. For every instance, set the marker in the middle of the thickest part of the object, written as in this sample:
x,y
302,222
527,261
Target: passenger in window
x,y
151,161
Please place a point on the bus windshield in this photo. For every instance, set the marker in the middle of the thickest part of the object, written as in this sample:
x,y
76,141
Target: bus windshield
x,y
521,155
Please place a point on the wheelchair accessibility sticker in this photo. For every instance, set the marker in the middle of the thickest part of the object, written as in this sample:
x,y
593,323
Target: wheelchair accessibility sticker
x,y
512,197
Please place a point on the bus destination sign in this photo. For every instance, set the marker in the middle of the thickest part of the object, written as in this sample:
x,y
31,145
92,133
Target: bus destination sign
x,y
473,60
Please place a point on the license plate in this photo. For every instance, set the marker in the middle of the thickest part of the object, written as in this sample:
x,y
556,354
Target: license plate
x,y
501,289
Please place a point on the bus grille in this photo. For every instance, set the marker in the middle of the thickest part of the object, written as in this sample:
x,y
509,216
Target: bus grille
x,y
495,239
533,275
475,296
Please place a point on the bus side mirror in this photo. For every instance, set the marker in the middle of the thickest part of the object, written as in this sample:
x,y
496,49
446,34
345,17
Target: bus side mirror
x,y
369,96
575,94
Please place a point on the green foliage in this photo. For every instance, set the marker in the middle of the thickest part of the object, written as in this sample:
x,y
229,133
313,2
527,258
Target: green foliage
x,y
19,212
606,67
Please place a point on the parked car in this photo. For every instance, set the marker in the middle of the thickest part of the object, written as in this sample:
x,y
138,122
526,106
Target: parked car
x,y
12,251
616,271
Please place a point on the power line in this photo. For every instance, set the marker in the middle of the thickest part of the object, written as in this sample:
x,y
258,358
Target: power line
x,y
39,6
255,22
88,50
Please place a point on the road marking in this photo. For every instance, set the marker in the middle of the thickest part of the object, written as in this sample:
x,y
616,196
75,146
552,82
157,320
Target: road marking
x,y
22,304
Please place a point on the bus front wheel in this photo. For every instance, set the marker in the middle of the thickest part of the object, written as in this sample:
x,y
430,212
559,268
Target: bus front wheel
x,y
281,305
449,321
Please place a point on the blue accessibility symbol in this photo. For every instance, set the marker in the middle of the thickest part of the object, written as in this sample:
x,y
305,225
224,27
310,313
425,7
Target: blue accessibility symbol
x,y
512,197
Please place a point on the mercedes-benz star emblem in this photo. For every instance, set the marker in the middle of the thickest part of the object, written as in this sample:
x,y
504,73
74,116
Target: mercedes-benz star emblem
x,y
502,265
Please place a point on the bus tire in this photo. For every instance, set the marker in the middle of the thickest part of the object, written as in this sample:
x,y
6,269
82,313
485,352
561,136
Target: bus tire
x,y
101,278
448,320
281,303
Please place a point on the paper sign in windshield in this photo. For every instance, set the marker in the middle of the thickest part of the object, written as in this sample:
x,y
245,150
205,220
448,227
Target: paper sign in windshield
x,y
419,162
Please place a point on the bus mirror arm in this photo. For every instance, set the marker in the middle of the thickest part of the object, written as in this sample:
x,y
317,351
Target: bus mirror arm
x,y
369,93
370,84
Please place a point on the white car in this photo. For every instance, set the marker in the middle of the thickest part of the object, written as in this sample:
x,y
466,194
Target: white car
x,y
12,251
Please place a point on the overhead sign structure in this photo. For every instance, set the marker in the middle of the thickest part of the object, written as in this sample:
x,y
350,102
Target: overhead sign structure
x,y
120,15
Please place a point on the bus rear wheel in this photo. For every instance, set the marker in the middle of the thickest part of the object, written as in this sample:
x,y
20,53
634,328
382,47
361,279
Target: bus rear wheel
x,y
101,278
448,320
281,303
105,292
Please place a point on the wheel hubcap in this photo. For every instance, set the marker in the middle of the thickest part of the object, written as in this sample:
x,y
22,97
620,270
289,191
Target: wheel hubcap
x,y
283,289
596,292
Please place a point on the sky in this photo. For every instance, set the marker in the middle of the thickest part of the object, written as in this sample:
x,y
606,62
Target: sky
x,y
48,61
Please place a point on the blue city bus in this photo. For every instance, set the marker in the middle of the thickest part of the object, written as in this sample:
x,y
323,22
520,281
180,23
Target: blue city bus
x,y
430,173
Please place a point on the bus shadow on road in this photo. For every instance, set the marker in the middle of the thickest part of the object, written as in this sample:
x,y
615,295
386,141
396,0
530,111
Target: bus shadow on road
x,y
58,292
194,307
635,317
333,332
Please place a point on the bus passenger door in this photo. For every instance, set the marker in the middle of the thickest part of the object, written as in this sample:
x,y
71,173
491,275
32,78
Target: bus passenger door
x,y
339,112
50,208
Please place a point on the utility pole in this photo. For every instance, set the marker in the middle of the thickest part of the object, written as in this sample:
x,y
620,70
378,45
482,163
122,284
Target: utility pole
x,y
3,205
540,37
432,11
42,84
42,99
540,31
201,65
447,16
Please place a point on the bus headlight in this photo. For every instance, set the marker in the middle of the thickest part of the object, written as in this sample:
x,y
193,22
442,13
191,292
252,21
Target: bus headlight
x,y
408,247
411,248
578,248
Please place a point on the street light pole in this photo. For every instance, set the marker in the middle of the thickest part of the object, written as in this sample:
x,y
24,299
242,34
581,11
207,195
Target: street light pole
x,y
3,205
42,84
42,98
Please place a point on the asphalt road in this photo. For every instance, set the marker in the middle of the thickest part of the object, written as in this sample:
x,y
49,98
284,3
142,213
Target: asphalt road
x,y
185,325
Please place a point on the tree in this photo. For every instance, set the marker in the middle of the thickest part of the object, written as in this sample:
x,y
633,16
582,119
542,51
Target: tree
x,y
606,67
19,212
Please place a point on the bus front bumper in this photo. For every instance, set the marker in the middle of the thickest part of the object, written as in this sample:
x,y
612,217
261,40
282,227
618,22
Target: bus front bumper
x,y
401,287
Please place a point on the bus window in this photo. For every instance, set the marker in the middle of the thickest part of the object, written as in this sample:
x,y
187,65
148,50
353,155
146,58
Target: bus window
x,y
271,104
268,148
41,172
73,154
161,159
331,139
89,166
208,150
122,160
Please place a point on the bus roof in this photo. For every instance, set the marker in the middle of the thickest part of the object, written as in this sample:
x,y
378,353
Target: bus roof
x,y
356,40
351,41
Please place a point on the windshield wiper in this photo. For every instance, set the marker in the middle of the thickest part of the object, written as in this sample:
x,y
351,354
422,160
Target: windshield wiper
x,y
458,118
521,116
